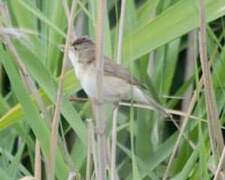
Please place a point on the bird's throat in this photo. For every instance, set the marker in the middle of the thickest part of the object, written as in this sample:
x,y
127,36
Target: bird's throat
x,y
74,58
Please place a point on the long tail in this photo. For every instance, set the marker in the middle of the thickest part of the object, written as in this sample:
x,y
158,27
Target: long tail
x,y
141,97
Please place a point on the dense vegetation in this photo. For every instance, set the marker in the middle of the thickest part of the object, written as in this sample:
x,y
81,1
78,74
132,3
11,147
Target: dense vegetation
x,y
160,47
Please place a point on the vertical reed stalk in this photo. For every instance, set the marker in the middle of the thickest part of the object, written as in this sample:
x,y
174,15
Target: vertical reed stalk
x,y
98,102
56,117
215,134
37,166
93,146
115,112
89,149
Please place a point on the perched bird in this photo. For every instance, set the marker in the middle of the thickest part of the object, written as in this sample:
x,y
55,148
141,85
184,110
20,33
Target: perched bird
x,y
118,83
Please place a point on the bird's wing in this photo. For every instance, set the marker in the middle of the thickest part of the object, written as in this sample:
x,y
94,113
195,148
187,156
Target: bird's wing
x,y
116,70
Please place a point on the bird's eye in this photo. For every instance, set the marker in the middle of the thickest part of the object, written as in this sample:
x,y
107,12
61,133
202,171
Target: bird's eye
x,y
75,48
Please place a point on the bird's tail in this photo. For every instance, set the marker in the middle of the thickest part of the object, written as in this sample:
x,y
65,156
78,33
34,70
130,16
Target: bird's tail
x,y
141,97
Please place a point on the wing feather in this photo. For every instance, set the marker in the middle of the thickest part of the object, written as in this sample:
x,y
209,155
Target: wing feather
x,y
116,70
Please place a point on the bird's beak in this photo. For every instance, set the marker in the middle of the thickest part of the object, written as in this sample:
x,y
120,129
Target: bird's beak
x,y
62,47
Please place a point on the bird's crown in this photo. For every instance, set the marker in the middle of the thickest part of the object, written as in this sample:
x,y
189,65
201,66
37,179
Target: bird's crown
x,y
82,40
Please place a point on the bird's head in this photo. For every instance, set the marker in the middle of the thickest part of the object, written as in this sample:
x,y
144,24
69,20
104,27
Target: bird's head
x,y
83,48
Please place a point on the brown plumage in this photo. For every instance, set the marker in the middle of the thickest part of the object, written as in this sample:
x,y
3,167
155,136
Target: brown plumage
x,y
81,41
112,69
118,83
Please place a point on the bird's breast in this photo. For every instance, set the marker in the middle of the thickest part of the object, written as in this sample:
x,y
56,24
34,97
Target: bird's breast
x,y
88,81
75,62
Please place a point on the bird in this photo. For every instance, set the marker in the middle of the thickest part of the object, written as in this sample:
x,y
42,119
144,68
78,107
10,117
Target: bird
x,y
118,83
